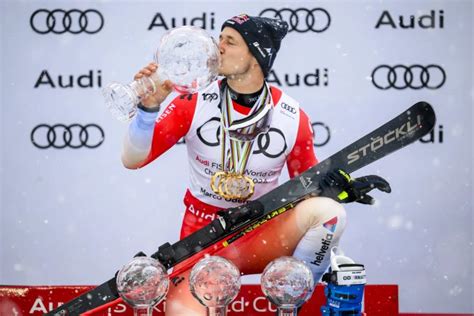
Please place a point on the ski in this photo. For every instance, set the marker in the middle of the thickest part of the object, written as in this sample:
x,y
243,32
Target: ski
x,y
233,223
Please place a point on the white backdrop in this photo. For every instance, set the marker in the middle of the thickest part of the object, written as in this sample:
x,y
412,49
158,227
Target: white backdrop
x,y
74,216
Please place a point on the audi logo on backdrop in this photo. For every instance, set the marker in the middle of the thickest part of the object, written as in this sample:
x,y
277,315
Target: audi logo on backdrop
x,y
315,78
301,20
60,21
402,77
321,134
206,20
74,136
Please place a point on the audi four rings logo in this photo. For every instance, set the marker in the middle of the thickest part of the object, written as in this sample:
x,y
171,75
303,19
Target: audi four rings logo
x,y
288,107
415,77
263,142
208,133
301,20
60,21
60,136
321,134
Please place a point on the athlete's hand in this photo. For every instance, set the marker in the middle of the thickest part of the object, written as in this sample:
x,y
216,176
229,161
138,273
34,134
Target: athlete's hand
x,y
162,91
338,185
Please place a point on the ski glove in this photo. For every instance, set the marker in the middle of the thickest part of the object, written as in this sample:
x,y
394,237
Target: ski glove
x,y
338,185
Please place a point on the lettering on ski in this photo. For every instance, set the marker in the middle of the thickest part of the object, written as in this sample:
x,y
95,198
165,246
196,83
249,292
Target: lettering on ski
x,y
399,132
405,130
257,224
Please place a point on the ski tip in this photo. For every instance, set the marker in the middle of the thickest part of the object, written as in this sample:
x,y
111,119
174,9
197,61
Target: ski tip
x,y
424,107
427,112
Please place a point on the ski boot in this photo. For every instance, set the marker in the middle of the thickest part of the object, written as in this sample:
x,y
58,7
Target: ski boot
x,y
345,286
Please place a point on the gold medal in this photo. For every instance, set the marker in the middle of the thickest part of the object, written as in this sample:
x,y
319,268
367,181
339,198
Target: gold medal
x,y
217,177
232,186
221,188
239,186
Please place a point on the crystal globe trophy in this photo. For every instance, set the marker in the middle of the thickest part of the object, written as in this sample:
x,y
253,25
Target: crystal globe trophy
x,y
142,283
215,282
187,56
287,282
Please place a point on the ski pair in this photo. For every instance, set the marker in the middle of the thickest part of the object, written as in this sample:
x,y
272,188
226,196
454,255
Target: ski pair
x,y
233,223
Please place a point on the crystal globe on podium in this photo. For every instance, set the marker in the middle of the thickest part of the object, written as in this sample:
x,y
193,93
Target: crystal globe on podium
x,y
287,282
142,283
215,282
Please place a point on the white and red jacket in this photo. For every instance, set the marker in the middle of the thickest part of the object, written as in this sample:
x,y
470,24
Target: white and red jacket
x,y
196,117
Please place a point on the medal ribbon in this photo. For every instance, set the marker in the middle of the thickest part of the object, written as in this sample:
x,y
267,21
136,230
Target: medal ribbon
x,y
236,153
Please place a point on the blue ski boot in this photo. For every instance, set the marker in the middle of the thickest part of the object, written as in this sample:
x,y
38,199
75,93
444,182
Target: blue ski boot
x,y
345,286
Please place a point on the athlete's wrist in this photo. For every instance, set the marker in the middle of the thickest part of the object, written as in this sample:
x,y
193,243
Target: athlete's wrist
x,y
149,109
145,120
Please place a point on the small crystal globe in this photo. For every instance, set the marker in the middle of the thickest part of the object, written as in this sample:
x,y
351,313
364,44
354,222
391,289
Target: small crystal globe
x,y
287,281
215,281
142,282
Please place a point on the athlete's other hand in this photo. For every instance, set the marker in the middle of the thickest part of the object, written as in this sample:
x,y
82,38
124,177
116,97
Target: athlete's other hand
x,y
338,185
162,91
